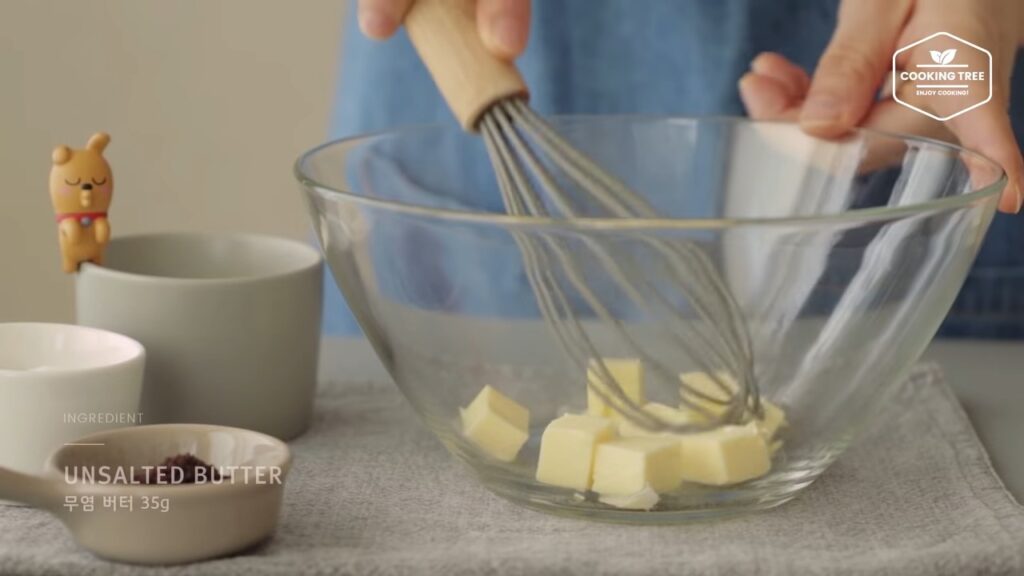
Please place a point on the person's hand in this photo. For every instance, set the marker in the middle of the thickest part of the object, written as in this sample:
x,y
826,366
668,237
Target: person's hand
x,y
843,92
503,24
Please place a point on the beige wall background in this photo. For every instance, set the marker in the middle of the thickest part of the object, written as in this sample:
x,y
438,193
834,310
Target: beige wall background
x,y
208,102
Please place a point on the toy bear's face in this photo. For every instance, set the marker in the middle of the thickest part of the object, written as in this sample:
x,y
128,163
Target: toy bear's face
x,y
80,180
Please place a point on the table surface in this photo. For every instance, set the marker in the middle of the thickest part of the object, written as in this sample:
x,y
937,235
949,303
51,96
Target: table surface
x,y
987,376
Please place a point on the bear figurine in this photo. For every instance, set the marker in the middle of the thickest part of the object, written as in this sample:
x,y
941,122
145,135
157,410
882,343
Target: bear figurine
x,y
81,187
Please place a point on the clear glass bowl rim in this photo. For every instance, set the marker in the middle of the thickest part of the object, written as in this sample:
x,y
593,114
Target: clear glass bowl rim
x,y
533,223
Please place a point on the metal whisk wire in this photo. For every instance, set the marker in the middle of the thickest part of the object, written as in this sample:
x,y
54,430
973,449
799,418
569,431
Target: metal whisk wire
x,y
508,128
531,161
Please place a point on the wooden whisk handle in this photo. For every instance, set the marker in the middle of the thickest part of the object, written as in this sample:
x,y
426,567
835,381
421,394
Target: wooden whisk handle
x,y
470,78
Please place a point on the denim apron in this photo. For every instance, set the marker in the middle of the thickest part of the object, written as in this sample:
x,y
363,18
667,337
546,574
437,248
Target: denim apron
x,y
675,57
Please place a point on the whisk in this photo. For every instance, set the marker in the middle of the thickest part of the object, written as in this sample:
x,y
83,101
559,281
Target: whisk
x,y
533,163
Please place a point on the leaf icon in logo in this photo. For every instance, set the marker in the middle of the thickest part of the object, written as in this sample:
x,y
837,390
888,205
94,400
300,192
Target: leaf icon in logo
x,y
943,57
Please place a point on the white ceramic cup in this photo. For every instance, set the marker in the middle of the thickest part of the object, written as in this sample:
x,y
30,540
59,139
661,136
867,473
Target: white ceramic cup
x,y
60,382
231,325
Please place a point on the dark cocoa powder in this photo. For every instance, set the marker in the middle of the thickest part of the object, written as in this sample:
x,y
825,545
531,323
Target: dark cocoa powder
x,y
178,469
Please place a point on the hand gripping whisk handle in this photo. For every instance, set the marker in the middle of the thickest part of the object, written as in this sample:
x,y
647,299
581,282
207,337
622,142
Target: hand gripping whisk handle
x,y
470,78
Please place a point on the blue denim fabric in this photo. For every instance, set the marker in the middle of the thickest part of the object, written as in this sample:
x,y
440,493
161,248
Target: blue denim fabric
x,y
680,57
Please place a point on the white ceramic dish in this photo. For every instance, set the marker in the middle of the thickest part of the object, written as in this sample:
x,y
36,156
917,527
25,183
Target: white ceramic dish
x,y
60,382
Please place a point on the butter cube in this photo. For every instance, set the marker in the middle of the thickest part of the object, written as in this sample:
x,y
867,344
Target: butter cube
x,y
567,449
726,455
642,500
774,418
705,384
496,424
628,374
625,466
629,429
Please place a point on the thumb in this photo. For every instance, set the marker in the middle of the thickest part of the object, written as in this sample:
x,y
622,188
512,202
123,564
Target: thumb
x,y
987,130
853,65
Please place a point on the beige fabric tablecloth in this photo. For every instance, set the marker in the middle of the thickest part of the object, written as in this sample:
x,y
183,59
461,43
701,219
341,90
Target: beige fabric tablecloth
x,y
373,492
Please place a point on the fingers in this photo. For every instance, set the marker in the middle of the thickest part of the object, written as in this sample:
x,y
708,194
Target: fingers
x,y
379,19
774,89
777,66
853,65
504,26
766,98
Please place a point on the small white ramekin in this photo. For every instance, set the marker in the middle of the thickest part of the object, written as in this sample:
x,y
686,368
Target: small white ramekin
x,y
60,382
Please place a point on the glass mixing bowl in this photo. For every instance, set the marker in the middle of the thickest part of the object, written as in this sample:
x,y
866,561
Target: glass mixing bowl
x,y
843,256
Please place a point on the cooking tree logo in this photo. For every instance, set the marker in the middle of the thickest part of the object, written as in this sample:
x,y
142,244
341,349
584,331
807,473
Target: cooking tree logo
x,y
942,76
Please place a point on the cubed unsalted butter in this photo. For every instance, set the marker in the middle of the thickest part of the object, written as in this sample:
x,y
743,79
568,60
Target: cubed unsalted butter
x,y
703,383
774,418
668,414
726,455
496,424
628,373
642,500
567,449
625,466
